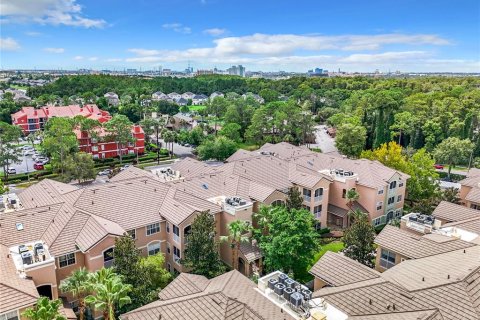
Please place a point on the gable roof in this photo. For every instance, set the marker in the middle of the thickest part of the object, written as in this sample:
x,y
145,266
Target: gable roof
x,y
414,246
452,212
337,270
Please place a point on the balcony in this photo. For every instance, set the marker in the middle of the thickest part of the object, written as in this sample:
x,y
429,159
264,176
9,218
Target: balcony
x,y
176,238
108,263
307,198
176,259
318,198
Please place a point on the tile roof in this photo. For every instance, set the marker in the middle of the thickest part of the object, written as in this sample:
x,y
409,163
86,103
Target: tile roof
x,y
340,212
16,292
337,270
409,315
471,225
451,212
473,195
250,251
414,246
229,296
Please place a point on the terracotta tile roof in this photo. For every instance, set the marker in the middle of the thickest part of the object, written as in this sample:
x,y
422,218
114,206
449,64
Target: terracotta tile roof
x,y
414,246
337,270
229,296
16,293
451,212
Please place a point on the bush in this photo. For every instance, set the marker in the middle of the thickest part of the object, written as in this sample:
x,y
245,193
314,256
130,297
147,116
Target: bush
x,y
323,231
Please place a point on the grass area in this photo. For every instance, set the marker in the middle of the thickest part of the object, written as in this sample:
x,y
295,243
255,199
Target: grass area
x,y
334,246
248,146
196,108
17,86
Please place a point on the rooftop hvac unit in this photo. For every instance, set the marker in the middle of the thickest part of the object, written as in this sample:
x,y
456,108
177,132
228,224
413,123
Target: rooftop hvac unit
x,y
37,248
290,283
282,277
22,248
296,299
12,201
307,294
287,292
271,283
242,202
279,287
27,257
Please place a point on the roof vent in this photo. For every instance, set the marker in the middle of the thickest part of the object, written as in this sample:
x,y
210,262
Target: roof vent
x,y
205,186
19,226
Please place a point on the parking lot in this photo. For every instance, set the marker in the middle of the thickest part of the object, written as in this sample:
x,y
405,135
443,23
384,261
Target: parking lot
x,y
25,165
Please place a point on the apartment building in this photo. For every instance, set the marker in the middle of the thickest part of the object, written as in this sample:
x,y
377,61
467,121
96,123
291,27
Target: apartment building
x,y
31,119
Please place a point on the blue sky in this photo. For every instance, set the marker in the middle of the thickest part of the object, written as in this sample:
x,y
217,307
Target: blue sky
x,y
265,35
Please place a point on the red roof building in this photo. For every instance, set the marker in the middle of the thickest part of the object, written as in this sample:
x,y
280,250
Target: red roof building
x,y
31,119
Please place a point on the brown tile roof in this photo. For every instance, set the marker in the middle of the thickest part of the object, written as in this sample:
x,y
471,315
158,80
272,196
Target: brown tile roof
x,y
241,154
15,292
131,172
409,315
190,167
471,181
414,246
340,212
94,230
337,270
250,251
471,225
451,212
473,195
229,296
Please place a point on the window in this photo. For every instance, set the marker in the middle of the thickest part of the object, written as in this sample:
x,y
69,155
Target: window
x,y
168,248
344,193
186,232
153,248
317,211
307,194
168,227
94,140
176,254
108,255
379,205
387,259
132,233
391,200
66,260
278,203
398,213
306,207
103,147
380,191
169,267
393,185
399,198
153,228
400,184
13,315
94,148
95,156
377,221
318,194
475,206
176,233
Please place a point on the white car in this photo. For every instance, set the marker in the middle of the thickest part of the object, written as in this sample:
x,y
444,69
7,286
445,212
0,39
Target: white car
x,y
11,171
42,160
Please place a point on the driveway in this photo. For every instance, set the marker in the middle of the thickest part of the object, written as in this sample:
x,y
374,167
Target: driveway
x,y
179,150
324,141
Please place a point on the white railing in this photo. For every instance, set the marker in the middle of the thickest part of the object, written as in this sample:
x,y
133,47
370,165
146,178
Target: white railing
x,y
307,198
318,198
176,238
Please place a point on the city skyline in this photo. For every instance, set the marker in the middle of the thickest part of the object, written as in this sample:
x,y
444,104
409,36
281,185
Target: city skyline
x,y
407,35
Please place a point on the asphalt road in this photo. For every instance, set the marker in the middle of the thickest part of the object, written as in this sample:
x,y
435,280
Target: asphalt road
x,y
179,150
324,141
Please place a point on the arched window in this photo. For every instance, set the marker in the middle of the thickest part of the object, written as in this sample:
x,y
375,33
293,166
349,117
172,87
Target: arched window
x,y
278,203
153,248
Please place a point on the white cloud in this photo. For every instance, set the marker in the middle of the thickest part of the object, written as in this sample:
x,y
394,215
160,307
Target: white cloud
x,y
54,50
144,52
215,32
55,12
9,44
93,59
78,58
177,27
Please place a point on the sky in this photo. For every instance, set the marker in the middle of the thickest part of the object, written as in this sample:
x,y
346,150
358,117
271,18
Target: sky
x,y
267,35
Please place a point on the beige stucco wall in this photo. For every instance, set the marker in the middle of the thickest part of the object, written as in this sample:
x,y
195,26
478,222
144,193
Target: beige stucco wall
x,y
464,190
64,272
44,275
398,259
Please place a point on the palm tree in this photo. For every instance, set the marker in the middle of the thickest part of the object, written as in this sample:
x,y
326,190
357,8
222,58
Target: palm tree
x,y
45,309
77,284
262,217
236,234
351,196
110,292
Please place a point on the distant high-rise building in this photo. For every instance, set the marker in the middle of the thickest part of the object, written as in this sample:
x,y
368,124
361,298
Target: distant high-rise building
x,y
237,70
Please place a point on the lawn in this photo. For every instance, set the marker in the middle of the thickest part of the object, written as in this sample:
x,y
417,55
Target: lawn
x,y
196,108
247,146
334,246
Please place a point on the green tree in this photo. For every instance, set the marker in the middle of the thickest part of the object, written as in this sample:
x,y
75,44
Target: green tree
x,y
350,139
221,148
358,239
403,124
158,277
184,109
389,154
109,293
237,233
9,153
45,309
294,199
217,107
422,183
77,284
291,240
231,131
119,129
80,166
201,250
169,137
59,141
453,151
451,195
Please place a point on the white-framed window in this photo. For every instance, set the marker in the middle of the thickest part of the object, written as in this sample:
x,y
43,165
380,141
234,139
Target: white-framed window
x,y
132,233
398,213
400,184
377,221
176,233
176,254
95,148
103,147
380,191
168,227
379,205
131,151
307,194
66,260
391,200
393,185
153,248
318,194
12,315
94,140
387,259
399,198
317,211
95,156
153,228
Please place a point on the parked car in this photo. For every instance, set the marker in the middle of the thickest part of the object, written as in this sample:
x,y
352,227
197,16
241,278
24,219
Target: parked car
x,y
11,171
124,167
38,166
42,160
105,172
438,166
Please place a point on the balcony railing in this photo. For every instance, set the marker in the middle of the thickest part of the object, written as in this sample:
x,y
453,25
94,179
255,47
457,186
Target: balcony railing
x,y
318,198
307,198
176,258
176,238
108,263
